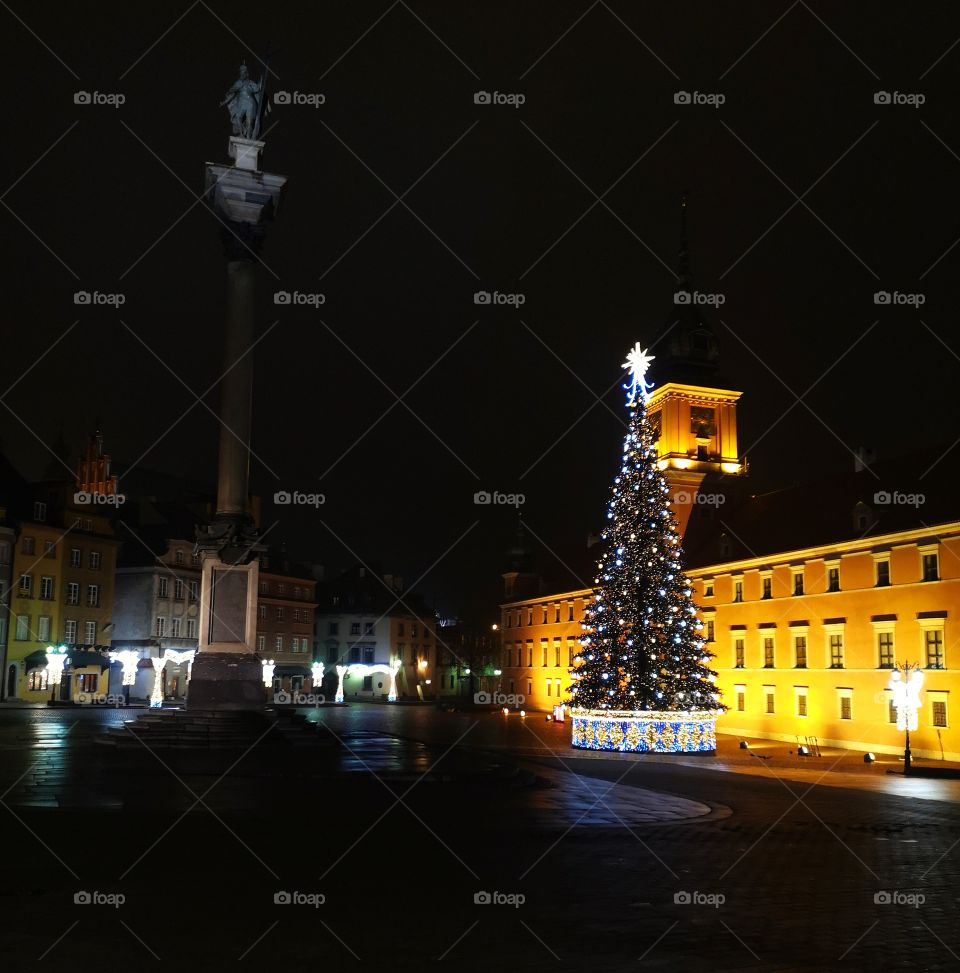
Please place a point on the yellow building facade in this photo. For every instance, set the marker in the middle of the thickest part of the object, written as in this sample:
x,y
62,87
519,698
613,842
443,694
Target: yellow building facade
x,y
63,592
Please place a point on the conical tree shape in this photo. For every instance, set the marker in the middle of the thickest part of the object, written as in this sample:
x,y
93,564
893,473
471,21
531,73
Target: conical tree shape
x,y
642,649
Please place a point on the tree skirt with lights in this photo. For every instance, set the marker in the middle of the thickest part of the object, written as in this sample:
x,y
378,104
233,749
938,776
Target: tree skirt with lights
x,y
645,732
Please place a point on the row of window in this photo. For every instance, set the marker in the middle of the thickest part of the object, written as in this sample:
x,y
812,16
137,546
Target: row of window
x,y
369,628
844,699
298,614
43,633
547,656
546,615
297,644
46,590
931,647
280,588
181,589
178,627
930,571
94,558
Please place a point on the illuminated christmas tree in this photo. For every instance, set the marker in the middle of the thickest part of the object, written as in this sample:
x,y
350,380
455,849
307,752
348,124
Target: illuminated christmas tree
x,y
642,679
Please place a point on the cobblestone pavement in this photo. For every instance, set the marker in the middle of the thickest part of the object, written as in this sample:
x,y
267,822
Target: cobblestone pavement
x,y
420,817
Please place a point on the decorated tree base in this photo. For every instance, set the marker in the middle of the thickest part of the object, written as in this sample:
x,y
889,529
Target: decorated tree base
x,y
645,732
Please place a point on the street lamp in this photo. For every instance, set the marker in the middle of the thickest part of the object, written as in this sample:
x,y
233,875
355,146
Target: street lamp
x,y
905,681
56,660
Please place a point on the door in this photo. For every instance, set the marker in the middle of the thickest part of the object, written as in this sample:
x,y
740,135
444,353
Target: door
x,y
12,681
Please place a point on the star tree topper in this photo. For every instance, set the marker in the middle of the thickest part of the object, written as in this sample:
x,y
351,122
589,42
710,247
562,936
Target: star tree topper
x,y
638,362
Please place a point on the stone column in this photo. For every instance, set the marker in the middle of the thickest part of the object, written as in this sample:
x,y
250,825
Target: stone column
x,y
226,673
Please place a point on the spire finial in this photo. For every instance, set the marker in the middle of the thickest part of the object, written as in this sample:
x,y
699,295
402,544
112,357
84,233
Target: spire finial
x,y
683,261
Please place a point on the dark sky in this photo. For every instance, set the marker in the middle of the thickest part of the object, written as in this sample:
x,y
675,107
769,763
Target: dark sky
x,y
112,207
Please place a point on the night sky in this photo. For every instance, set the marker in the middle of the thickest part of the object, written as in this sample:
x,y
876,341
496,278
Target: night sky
x,y
505,398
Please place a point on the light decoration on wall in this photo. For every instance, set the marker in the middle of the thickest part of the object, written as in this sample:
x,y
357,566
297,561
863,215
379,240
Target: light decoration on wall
x,y
156,697
362,669
268,666
129,659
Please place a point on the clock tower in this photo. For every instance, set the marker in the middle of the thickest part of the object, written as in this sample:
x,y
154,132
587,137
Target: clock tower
x,y
696,420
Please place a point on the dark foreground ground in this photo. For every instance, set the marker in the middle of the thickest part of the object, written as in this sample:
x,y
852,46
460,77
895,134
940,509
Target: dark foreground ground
x,y
622,863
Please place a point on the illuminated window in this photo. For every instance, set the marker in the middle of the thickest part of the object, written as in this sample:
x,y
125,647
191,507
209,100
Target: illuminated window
x,y
771,703
708,589
37,680
738,652
70,631
883,572
741,701
801,704
938,713
833,579
931,567
711,630
768,653
885,649
767,587
836,651
738,591
846,708
933,645
800,651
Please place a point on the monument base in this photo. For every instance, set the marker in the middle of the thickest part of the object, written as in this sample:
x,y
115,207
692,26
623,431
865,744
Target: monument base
x,y
226,681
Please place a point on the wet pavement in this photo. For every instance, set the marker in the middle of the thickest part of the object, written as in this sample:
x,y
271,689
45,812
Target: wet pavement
x,y
465,839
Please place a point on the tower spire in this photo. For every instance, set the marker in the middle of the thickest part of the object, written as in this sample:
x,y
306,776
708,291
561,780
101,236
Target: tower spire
x,y
683,255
